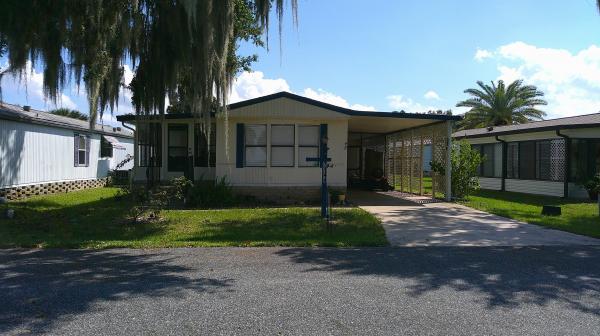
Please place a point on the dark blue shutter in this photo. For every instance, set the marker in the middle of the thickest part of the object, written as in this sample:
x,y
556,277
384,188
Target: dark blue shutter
x,y
239,146
76,149
322,148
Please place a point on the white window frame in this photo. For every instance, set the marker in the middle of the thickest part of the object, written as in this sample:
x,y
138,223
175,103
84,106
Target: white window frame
x,y
301,162
85,150
292,146
246,145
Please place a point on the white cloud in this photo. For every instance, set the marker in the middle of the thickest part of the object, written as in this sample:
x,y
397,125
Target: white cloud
x,y
330,98
570,80
250,85
482,54
33,82
400,102
431,95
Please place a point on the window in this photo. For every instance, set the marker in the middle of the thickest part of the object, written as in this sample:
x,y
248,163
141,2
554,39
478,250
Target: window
x,y
308,145
527,166
585,159
512,160
491,165
178,148
255,145
82,150
149,144
282,145
542,160
205,153
106,148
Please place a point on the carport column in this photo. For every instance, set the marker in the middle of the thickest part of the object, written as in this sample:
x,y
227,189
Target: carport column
x,y
449,161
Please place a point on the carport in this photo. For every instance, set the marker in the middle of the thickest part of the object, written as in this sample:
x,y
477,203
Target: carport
x,y
401,145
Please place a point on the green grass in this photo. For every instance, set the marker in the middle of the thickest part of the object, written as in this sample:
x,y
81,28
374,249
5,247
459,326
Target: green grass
x,y
96,218
578,216
427,187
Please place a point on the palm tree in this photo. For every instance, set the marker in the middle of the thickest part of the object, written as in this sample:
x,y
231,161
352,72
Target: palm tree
x,y
66,112
497,105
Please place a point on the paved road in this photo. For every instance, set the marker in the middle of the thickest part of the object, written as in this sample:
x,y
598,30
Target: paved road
x,y
410,223
270,291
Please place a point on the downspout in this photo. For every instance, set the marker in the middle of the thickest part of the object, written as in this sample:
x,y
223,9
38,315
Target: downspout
x,y
129,128
504,163
567,171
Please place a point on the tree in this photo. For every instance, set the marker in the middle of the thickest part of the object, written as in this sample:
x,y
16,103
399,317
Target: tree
x,y
66,112
90,41
498,105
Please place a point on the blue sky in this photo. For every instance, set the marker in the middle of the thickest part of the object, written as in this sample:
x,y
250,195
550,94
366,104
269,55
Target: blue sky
x,y
417,55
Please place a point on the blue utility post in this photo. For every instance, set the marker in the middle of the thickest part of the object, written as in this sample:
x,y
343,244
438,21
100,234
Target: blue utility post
x,y
323,163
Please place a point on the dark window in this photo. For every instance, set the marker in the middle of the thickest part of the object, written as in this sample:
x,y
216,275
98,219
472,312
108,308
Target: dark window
x,y
106,148
149,144
178,147
205,153
512,160
527,166
585,159
487,166
82,150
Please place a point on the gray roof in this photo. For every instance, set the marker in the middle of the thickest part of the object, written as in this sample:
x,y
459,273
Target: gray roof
x,y
582,121
17,113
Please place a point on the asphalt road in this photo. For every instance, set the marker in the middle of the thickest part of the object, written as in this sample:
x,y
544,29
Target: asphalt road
x,y
271,291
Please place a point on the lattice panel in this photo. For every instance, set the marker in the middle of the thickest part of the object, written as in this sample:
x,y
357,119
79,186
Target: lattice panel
x,y
557,159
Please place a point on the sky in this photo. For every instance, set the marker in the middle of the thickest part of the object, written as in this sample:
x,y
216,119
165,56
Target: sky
x,y
409,55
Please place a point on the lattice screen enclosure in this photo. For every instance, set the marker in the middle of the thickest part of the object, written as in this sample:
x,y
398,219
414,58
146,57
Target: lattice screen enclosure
x,y
408,155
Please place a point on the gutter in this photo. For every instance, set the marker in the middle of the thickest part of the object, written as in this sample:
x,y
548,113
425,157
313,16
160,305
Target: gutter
x,y
129,128
567,171
504,162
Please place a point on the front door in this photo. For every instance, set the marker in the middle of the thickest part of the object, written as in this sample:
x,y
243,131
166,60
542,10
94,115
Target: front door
x,y
178,155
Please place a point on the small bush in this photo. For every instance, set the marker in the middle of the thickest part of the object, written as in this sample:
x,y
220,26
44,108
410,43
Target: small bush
x,y
210,194
181,187
464,161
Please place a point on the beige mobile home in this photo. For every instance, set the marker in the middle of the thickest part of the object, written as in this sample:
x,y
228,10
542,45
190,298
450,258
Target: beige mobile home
x,y
546,157
262,147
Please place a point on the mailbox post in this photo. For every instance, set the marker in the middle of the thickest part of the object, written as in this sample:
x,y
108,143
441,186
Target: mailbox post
x,y
323,163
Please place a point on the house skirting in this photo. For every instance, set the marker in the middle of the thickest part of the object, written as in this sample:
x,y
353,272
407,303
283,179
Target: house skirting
x,y
19,192
284,195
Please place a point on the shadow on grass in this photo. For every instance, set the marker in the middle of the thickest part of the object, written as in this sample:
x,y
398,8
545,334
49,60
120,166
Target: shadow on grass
x,y
46,223
42,287
506,277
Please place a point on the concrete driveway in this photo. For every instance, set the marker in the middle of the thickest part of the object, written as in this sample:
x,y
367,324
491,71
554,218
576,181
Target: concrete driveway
x,y
420,221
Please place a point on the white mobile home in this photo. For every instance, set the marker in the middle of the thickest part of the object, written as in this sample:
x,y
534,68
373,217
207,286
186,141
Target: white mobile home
x,y
549,157
262,147
42,153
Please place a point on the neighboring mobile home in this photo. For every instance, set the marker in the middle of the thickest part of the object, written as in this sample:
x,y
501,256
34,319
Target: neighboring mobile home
x,y
262,147
550,157
43,153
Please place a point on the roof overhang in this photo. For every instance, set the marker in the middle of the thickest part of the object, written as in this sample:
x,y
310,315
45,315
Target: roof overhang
x,y
463,135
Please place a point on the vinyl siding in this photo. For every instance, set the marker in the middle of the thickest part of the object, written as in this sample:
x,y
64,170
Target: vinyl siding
x,y
490,183
31,154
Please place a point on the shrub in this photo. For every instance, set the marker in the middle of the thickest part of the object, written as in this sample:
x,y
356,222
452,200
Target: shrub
x,y
464,162
181,187
209,194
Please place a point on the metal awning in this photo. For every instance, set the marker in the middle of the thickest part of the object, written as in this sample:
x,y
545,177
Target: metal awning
x,y
113,141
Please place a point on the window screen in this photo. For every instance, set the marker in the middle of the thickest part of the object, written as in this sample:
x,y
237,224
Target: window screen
x,y
255,141
488,160
106,148
542,170
308,145
477,148
149,144
527,166
512,160
178,148
282,145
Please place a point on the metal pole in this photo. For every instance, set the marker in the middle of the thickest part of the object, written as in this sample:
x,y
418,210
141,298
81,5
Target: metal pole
x,y
421,168
449,161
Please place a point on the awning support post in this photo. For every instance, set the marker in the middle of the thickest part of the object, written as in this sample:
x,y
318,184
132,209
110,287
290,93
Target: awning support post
x,y
449,161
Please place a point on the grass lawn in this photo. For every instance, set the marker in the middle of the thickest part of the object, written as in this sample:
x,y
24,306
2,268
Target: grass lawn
x,y
577,216
427,187
95,218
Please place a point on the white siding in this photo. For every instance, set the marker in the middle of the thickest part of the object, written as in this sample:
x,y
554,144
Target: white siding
x,y
31,154
490,183
548,188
